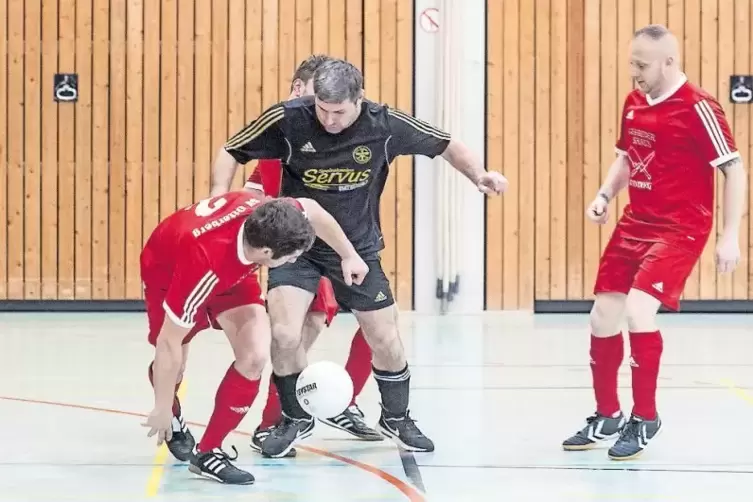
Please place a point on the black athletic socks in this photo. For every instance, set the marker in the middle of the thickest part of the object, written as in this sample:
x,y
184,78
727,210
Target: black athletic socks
x,y
286,390
394,386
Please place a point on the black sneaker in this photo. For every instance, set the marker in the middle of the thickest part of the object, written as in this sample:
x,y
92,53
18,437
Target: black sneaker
x,y
216,465
634,438
351,421
598,428
260,435
182,443
404,432
282,438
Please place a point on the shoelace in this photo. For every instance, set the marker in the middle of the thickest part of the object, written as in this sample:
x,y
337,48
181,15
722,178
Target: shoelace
x,y
223,455
632,430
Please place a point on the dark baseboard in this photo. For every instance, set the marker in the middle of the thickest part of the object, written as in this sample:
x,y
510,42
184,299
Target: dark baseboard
x,y
686,307
72,306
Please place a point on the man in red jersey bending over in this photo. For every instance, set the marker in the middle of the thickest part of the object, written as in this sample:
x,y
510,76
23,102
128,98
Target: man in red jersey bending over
x,y
674,136
198,269
265,180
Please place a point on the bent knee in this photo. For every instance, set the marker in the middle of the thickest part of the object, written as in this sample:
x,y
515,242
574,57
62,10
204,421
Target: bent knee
x,y
640,311
285,335
606,314
251,365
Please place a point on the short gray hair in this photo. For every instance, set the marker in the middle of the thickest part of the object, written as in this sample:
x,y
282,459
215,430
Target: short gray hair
x,y
337,80
652,31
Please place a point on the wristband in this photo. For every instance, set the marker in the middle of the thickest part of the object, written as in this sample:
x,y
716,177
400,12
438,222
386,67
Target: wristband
x,y
603,196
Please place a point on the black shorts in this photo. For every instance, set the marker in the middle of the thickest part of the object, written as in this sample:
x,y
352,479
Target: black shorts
x,y
373,293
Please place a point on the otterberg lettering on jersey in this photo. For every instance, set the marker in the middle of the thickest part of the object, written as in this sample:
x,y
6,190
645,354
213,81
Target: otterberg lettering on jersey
x,y
224,219
346,172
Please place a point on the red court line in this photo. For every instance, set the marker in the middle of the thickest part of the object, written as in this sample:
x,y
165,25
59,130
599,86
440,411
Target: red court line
x,y
411,493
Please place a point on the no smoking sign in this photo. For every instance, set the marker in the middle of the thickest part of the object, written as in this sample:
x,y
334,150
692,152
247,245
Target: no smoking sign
x,y
429,20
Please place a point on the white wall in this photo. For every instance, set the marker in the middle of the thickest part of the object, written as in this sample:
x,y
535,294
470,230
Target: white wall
x,y
472,94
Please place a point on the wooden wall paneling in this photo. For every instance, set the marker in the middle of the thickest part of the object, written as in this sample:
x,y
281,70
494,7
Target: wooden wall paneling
x,y
748,162
32,236
185,82
287,60
527,155
575,199
725,68
387,85
253,106
117,123
270,45
403,166
625,30
740,122
709,81
559,146
66,154
303,30
613,57
205,149
320,26
510,157
542,165
83,169
354,32
100,147
168,94
15,145
236,85
4,209
592,128
692,66
336,23
134,146
494,151
49,155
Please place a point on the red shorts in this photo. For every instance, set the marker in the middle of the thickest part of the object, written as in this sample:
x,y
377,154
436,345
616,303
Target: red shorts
x,y
325,300
656,268
246,292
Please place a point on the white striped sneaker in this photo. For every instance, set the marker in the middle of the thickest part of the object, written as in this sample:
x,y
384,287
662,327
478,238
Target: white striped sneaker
x,y
215,464
351,421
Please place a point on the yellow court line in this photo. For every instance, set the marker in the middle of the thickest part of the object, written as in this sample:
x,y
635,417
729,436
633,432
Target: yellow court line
x,y
741,393
155,478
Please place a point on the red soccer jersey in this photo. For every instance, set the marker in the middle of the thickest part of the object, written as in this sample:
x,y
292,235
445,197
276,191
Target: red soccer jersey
x,y
673,144
267,177
197,252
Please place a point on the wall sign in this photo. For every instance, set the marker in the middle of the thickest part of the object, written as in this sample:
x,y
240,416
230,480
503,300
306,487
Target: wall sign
x,y
741,89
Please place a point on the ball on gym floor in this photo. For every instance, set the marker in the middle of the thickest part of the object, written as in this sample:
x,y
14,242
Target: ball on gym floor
x,y
324,389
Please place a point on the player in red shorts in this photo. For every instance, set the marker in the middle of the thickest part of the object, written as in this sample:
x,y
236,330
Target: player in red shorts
x,y
265,181
198,269
674,136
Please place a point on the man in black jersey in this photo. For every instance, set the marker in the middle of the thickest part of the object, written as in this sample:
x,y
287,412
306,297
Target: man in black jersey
x,y
336,148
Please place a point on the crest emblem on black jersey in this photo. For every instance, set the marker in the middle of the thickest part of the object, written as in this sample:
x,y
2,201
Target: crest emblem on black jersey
x,y
362,154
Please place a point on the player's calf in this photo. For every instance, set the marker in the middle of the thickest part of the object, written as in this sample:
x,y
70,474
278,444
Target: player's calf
x,y
393,379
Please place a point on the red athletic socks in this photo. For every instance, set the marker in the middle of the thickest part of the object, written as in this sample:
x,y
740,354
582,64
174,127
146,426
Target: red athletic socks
x,y
235,396
272,411
645,356
359,363
606,357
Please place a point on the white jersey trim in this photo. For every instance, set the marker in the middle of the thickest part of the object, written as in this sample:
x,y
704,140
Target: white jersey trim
x,y
253,186
715,133
198,295
723,160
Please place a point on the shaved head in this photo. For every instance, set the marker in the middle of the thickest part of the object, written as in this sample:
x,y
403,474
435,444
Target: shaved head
x,y
655,60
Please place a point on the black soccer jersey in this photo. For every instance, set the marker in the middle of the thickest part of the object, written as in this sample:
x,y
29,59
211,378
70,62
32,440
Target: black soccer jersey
x,y
345,173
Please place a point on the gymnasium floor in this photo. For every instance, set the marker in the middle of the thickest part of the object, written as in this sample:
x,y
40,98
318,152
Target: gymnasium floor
x,y
497,393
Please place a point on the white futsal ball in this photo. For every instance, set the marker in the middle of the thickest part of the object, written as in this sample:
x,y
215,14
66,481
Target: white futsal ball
x,y
324,389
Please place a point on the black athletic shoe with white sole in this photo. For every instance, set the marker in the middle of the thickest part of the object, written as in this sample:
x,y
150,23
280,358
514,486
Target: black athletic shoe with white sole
x,y
634,438
216,465
282,438
351,421
598,428
182,443
404,432
260,435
